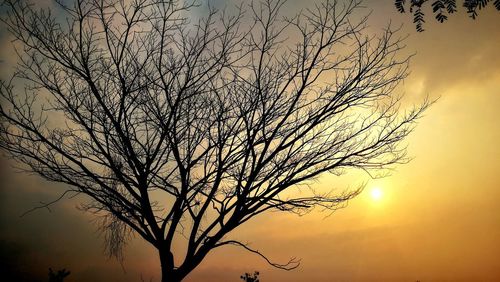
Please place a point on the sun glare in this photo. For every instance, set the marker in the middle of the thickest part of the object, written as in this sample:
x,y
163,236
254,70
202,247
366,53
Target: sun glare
x,y
376,193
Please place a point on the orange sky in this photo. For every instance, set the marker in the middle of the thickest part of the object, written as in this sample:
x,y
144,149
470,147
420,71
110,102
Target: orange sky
x,y
437,219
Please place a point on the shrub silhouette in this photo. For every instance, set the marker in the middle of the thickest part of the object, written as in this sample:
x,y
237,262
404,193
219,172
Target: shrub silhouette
x,y
250,277
59,275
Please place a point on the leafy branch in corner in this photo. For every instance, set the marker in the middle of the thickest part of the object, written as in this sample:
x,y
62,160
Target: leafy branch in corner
x,y
441,9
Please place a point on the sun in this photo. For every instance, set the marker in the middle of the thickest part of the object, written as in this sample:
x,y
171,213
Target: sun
x,y
376,193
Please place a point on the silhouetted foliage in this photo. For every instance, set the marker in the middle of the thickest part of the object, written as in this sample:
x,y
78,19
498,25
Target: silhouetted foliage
x,y
59,275
441,9
248,277
182,130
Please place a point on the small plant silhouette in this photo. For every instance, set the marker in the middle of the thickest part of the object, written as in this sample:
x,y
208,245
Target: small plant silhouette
x,y
250,277
59,275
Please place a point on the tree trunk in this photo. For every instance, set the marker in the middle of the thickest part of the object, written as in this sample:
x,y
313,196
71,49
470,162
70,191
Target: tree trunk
x,y
171,274
168,273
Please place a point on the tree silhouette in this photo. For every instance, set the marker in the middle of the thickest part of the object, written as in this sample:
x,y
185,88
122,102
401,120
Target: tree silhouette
x,y
441,9
181,129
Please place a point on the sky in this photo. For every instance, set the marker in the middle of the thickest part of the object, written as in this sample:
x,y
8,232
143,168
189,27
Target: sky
x,y
433,219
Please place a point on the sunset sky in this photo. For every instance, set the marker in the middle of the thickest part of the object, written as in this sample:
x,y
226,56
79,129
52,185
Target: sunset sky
x,y
434,219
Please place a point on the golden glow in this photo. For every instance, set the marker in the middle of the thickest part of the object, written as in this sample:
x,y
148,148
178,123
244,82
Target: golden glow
x,y
376,193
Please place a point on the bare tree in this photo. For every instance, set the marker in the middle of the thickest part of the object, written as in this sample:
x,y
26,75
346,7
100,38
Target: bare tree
x,y
181,129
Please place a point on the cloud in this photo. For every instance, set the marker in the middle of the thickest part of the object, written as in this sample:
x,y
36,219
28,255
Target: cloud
x,y
459,52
